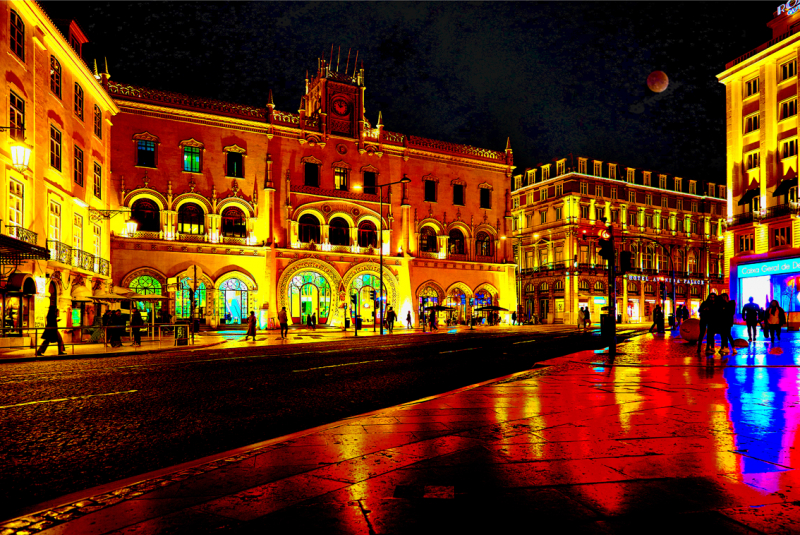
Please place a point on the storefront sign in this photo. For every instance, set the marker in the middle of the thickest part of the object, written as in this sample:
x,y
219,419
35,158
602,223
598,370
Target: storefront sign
x,y
600,300
663,278
41,285
790,7
776,267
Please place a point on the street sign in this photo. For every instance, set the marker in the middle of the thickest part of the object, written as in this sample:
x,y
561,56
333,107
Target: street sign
x,y
181,335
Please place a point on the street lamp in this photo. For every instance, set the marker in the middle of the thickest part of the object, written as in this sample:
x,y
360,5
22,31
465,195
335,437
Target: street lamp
x,y
130,226
404,180
20,156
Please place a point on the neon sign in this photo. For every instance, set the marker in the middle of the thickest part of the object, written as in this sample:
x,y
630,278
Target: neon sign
x,y
776,267
790,7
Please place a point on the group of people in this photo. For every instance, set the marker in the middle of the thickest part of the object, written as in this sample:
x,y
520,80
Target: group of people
x,y
311,321
771,320
584,318
112,323
681,315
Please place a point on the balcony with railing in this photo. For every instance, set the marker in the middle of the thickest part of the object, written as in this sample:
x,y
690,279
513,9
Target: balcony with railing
x,y
743,219
64,254
22,234
782,210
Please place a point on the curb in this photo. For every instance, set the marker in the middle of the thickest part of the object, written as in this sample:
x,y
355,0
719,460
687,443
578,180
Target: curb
x,y
105,355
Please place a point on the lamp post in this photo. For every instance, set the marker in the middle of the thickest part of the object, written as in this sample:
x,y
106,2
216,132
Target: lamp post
x,y
404,180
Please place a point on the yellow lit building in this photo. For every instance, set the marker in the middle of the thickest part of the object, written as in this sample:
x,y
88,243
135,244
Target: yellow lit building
x,y
59,111
762,240
556,217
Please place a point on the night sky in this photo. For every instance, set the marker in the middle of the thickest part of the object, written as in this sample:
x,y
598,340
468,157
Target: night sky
x,y
557,78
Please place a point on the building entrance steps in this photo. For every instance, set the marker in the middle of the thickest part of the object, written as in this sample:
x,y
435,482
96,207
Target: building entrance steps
x,y
659,434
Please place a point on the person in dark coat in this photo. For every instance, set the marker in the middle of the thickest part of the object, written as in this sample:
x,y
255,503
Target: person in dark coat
x,y
706,312
433,321
136,323
308,321
726,311
115,329
774,319
251,326
314,321
658,317
751,313
51,333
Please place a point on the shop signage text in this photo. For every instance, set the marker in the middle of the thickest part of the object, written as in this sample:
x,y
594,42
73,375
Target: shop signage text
x,y
775,267
663,278
790,7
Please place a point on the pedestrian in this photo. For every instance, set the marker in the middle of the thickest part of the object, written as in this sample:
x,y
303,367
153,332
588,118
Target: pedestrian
x,y
408,320
251,326
657,317
115,329
706,311
314,321
513,318
136,323
283,319
685,314
432,321
308,321
727,311
774,319
751,313
587,318
51,333
390,319
678,317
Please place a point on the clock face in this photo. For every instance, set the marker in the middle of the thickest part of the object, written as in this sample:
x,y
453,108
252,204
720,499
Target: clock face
x,y
341,107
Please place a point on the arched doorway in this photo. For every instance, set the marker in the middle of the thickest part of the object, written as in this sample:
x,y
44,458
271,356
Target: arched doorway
x,y
427,297
309,293
183,301
363,285
233,301
146,285
457,299
483,298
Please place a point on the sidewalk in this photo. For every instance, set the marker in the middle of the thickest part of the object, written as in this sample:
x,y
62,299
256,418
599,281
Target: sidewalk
x,y
659,438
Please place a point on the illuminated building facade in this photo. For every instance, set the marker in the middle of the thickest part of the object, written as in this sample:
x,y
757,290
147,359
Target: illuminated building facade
x,y
556,211
762,241
57,109
283,209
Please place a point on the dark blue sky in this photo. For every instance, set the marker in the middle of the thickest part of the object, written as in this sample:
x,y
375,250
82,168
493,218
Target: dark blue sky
x,y
556,77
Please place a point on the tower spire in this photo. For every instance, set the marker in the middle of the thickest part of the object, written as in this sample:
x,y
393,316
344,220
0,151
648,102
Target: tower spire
x,y
380,119
270,103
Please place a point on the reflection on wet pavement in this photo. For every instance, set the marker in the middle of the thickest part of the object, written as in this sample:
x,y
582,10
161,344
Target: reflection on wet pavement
x,y
661,437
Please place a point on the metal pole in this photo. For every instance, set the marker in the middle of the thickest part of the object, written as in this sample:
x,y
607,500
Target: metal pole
x,y
673,283
380,243
194,293
612,295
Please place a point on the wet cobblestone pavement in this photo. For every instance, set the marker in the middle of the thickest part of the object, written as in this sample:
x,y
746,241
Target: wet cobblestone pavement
x,y
658,438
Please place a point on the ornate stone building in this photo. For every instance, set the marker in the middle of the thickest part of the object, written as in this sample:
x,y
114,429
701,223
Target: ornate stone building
x,y
284,209
61,113
556,210
762,241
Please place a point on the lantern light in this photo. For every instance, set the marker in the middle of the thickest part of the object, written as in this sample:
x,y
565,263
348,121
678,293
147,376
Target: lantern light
x,y
20,157
130,226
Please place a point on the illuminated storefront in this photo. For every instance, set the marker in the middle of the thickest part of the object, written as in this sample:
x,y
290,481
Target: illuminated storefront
x,y
765,281
309,293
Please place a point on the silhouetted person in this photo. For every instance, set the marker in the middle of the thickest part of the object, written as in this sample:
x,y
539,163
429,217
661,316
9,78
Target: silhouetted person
x,y
251,326
136,323
51,333
774,319
706,312
752,315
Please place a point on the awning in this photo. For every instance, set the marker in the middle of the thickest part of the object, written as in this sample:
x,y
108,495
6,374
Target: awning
x,y
14,251
748,196
81,293
784,187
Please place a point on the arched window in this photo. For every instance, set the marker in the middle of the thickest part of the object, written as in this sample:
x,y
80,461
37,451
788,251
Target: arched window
x,y
680,255
55,76
583,285
680,289
233,223
599,286
483,244
147,214
692,263
17,35
544,287
649,288
309,229
183,299
558,286
146,285
367,234
427,240
530,288
633,288
695,291
191,219
648,258
456,239
634,256
339,232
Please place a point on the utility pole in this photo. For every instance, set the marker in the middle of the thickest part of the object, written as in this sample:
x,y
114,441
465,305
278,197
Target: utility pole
x,y
608,251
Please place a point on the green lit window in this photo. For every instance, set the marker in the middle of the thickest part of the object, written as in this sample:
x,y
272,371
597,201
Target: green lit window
x,y
309,293
191,159
183,299
146,285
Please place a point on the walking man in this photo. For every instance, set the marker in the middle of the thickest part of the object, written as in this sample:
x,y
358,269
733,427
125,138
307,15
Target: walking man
x,y
251,326
51,333
283,319
390,318
751,312
587,318
657,318
136,323
706,312
408,320
314,321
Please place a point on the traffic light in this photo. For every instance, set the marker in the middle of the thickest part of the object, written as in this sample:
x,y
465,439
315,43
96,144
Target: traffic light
x,y
354,299
372,294
662,287
606,245
625,262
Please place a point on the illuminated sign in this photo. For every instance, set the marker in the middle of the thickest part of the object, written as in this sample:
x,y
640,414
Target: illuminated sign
x,y
790,7
600,300
776,267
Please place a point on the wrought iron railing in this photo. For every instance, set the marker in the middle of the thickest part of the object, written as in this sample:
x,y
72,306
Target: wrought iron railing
x,y
457,256
427,254
147,235
484,258
231,240
192,237
741,219
781,209
102,266
341,249
22,234
60,252
86,261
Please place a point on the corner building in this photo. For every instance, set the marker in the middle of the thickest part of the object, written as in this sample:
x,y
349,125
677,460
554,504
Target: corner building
x,y
58,110
283,209
661,219
762,241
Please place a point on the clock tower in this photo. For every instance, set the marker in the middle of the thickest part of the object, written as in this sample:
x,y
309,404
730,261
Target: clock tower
x,y
335,100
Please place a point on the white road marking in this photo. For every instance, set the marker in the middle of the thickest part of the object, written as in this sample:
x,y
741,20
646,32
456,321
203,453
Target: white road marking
x,y
73,398
337,365
524,342
457,350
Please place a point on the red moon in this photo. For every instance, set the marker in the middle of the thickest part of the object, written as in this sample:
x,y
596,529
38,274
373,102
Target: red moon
x,y
657,81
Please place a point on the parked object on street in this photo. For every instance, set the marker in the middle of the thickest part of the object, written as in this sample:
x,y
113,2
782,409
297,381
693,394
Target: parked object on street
x,y
690,330
740,342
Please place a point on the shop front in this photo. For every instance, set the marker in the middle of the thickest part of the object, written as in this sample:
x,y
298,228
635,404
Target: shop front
x,y
766,281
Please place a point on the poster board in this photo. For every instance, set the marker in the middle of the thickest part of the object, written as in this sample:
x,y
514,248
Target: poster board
x,y
181,335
